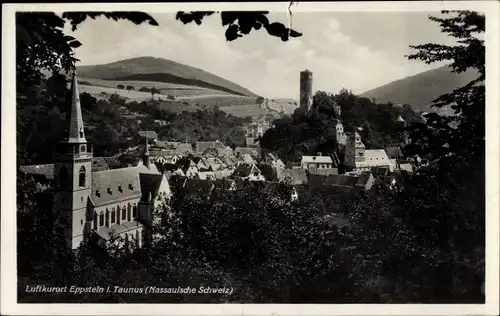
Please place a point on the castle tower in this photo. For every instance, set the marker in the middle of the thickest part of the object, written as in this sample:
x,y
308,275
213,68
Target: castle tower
x,y
72,172
306,93
354,150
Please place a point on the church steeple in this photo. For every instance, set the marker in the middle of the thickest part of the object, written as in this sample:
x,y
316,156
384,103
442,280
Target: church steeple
x,y
75,131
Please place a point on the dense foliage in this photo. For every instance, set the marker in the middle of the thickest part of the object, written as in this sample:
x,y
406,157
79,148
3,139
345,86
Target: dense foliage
x,y
301,134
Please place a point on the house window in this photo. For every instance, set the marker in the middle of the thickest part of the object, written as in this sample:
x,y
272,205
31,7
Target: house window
x,y
81,178
107,218
113,216
63,177
124,214
101,219
134,212
95,220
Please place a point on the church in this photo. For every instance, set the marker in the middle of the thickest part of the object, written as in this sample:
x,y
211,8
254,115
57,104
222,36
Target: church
x,y
116,205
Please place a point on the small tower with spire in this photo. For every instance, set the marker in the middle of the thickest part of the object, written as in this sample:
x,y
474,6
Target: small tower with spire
x,y
72,174
354,150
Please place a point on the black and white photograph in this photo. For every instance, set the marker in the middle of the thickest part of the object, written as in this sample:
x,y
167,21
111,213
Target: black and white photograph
x,y
261,153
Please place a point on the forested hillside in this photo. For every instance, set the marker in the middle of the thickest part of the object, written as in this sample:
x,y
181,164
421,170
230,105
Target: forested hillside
x,y
112,125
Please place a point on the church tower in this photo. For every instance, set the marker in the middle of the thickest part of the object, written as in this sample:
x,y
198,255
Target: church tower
x,y
354,150
72,174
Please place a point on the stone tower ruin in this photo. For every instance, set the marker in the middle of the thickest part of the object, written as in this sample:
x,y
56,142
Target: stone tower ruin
x,y
306,94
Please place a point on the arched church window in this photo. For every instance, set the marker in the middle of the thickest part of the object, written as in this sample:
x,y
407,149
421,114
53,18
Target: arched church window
x,y
81,177
63,177
113,216
134,212
101,219
107,218
129,210
124,213
82,148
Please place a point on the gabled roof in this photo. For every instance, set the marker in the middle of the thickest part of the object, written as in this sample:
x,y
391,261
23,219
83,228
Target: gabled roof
x,y
245,170
229,160
246,158
126,226
106,185
246,150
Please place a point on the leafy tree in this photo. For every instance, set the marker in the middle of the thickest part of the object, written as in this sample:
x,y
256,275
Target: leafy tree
x,y
241,23
455,145
120,86
129,88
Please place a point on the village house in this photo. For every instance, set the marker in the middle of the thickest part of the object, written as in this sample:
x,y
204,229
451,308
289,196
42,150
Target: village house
x,y
359,158
97,206
319,161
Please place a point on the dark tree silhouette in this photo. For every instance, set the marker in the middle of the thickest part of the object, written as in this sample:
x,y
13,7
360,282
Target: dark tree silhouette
x,y
240,23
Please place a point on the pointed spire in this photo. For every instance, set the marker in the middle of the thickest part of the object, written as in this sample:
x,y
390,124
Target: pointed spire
x,y
76,132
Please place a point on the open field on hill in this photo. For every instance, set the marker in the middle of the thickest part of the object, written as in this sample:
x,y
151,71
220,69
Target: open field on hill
x,y
188,98
160,70
211,97
176,90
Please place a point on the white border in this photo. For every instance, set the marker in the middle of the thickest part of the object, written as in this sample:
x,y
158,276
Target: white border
x,y
8,227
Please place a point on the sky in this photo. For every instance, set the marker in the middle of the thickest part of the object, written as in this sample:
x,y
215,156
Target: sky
x,y
353,50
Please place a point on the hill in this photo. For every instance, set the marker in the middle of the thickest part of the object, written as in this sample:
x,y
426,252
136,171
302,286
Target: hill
x,y
161,70
419,90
